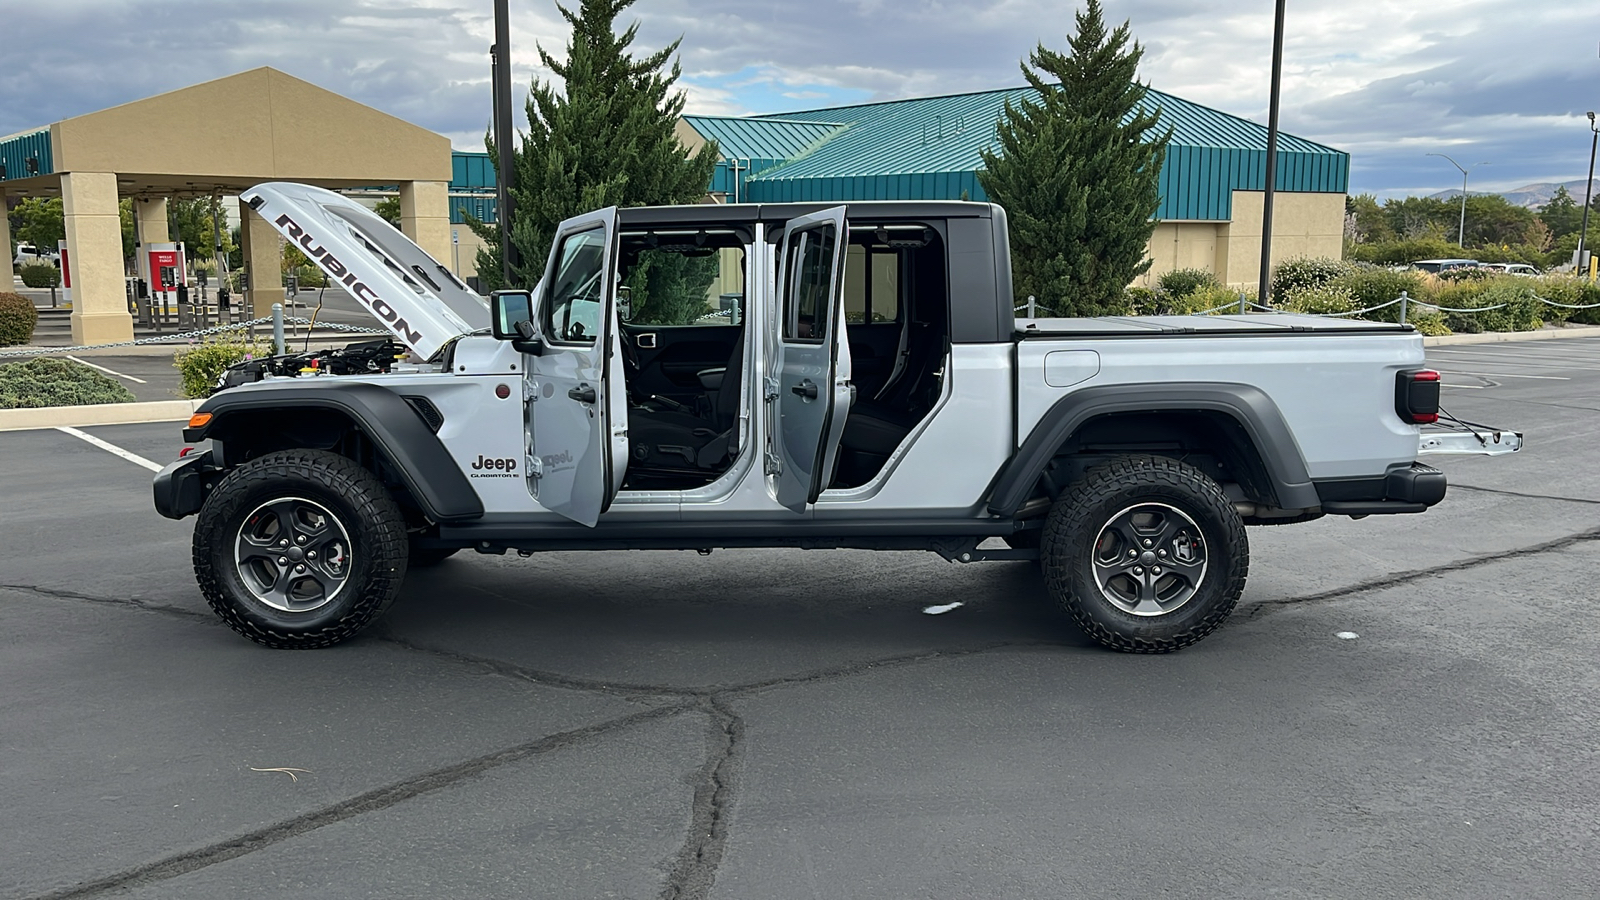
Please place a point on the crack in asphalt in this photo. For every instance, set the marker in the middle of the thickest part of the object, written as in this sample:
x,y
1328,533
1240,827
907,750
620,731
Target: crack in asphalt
x,y
1267,607
697,863
1484,490
371,801
715,788
136,603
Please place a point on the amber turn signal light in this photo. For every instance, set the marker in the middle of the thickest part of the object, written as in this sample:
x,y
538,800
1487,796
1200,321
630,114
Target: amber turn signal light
x,y
199,420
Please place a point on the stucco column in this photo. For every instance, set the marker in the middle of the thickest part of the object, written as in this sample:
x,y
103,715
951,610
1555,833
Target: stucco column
x,y
425,216
150,218
5,243
263,259
94,251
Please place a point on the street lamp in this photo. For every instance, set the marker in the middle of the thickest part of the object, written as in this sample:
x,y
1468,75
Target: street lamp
x,y
1583,232
1461,230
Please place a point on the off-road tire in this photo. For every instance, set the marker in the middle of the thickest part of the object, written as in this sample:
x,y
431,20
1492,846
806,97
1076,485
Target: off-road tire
x,y
1082,511
363,508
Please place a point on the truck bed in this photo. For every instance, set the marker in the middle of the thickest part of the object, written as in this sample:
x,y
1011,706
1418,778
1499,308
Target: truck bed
x,y
1154,326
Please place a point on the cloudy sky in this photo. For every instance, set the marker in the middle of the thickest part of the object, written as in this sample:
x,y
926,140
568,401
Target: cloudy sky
x,y
1499,81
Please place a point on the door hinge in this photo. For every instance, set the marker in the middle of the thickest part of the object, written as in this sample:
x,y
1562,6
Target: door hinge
x,y
535,466
774,464
769,388
530,390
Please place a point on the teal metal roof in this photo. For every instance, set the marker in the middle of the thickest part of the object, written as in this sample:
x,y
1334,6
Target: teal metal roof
x,y
929,149
17,150
769,137
755,145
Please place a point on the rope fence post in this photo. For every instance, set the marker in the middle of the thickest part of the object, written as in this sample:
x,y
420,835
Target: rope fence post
x,y
278,345
1244,304
1031,307
1404,301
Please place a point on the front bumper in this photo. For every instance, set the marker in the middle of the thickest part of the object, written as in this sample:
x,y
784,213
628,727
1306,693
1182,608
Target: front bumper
x,y
180,488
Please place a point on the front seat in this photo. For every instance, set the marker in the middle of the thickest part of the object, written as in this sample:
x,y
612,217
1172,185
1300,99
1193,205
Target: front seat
x,y
680,439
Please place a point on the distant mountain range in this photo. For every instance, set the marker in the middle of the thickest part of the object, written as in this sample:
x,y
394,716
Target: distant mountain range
x,y
1531,196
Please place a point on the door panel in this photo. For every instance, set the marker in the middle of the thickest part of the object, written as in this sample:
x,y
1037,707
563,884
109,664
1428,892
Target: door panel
x,y
669,368
570,438
873,349
812,366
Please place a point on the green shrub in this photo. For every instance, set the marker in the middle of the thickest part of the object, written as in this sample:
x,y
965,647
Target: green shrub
x,y
1373,286
1522,310
1559,289
1208,299
56,382
1322,300
1182,282
1304,272
1142,301
1590,293
202,364
1394,253
41,275
17,318
1471,273
310,277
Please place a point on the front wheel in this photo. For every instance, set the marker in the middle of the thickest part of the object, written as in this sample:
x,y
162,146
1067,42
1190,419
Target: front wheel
x,y
1146,554
300,549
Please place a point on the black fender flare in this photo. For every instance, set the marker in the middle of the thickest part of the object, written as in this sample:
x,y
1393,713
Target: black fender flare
x,y
428,469
1247,405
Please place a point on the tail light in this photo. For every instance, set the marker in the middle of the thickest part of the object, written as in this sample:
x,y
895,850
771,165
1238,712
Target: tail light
x,y
1416,396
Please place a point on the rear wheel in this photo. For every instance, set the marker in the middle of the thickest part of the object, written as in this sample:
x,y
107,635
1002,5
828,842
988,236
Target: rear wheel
x,y
1146,554
300,549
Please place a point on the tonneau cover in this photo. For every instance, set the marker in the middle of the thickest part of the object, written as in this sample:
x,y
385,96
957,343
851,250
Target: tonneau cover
x,y
1157,326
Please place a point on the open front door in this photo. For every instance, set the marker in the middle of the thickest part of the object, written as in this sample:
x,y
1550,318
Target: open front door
x,y
809,384
572,431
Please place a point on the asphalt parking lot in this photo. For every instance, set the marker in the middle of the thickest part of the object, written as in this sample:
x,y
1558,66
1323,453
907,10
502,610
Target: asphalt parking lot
x,y
791,724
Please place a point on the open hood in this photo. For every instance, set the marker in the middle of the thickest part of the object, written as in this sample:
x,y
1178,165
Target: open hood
x,y
411,294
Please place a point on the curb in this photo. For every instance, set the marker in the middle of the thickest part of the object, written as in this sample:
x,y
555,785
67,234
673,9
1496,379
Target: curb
x,y
97,414
1495,337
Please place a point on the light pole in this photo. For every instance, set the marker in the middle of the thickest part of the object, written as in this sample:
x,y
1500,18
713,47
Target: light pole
x,y
1583,232
1272,158
1461,230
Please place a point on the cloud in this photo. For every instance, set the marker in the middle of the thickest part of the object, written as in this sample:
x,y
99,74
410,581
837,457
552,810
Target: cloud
x,y
1505,81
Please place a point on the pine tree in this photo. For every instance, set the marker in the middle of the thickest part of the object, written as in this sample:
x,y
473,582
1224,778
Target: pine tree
x,y
607,139
1077,172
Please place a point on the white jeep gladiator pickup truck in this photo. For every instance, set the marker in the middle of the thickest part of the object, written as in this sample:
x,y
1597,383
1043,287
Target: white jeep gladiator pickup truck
x,y
696,377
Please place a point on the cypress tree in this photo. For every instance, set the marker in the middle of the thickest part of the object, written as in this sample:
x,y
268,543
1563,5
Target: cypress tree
x,y
1077,172
606,139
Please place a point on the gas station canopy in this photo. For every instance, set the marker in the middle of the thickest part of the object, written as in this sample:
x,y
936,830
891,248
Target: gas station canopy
x,y
216,138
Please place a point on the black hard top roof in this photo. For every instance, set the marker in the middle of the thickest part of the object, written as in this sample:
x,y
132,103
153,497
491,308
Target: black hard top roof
x,y
749,213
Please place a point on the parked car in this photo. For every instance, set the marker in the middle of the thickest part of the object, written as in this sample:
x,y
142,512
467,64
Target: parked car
x,y
1514,269
29,255
1443,265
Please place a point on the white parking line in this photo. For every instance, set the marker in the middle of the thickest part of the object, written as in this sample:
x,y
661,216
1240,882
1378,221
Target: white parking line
x,y
109,447
106,370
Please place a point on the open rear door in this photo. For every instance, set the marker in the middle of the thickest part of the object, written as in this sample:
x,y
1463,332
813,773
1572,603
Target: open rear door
x,y
411,294
810,376
574,429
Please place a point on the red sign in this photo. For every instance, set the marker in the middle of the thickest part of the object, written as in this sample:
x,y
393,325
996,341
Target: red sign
x,y
166,271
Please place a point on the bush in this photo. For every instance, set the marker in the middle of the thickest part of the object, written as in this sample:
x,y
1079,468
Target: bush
x,y
1393,253
1588,292
17,318
310,277
202,364
1466,274
1182,282
1322,300
56,382
1522,310
1302,273
41,275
